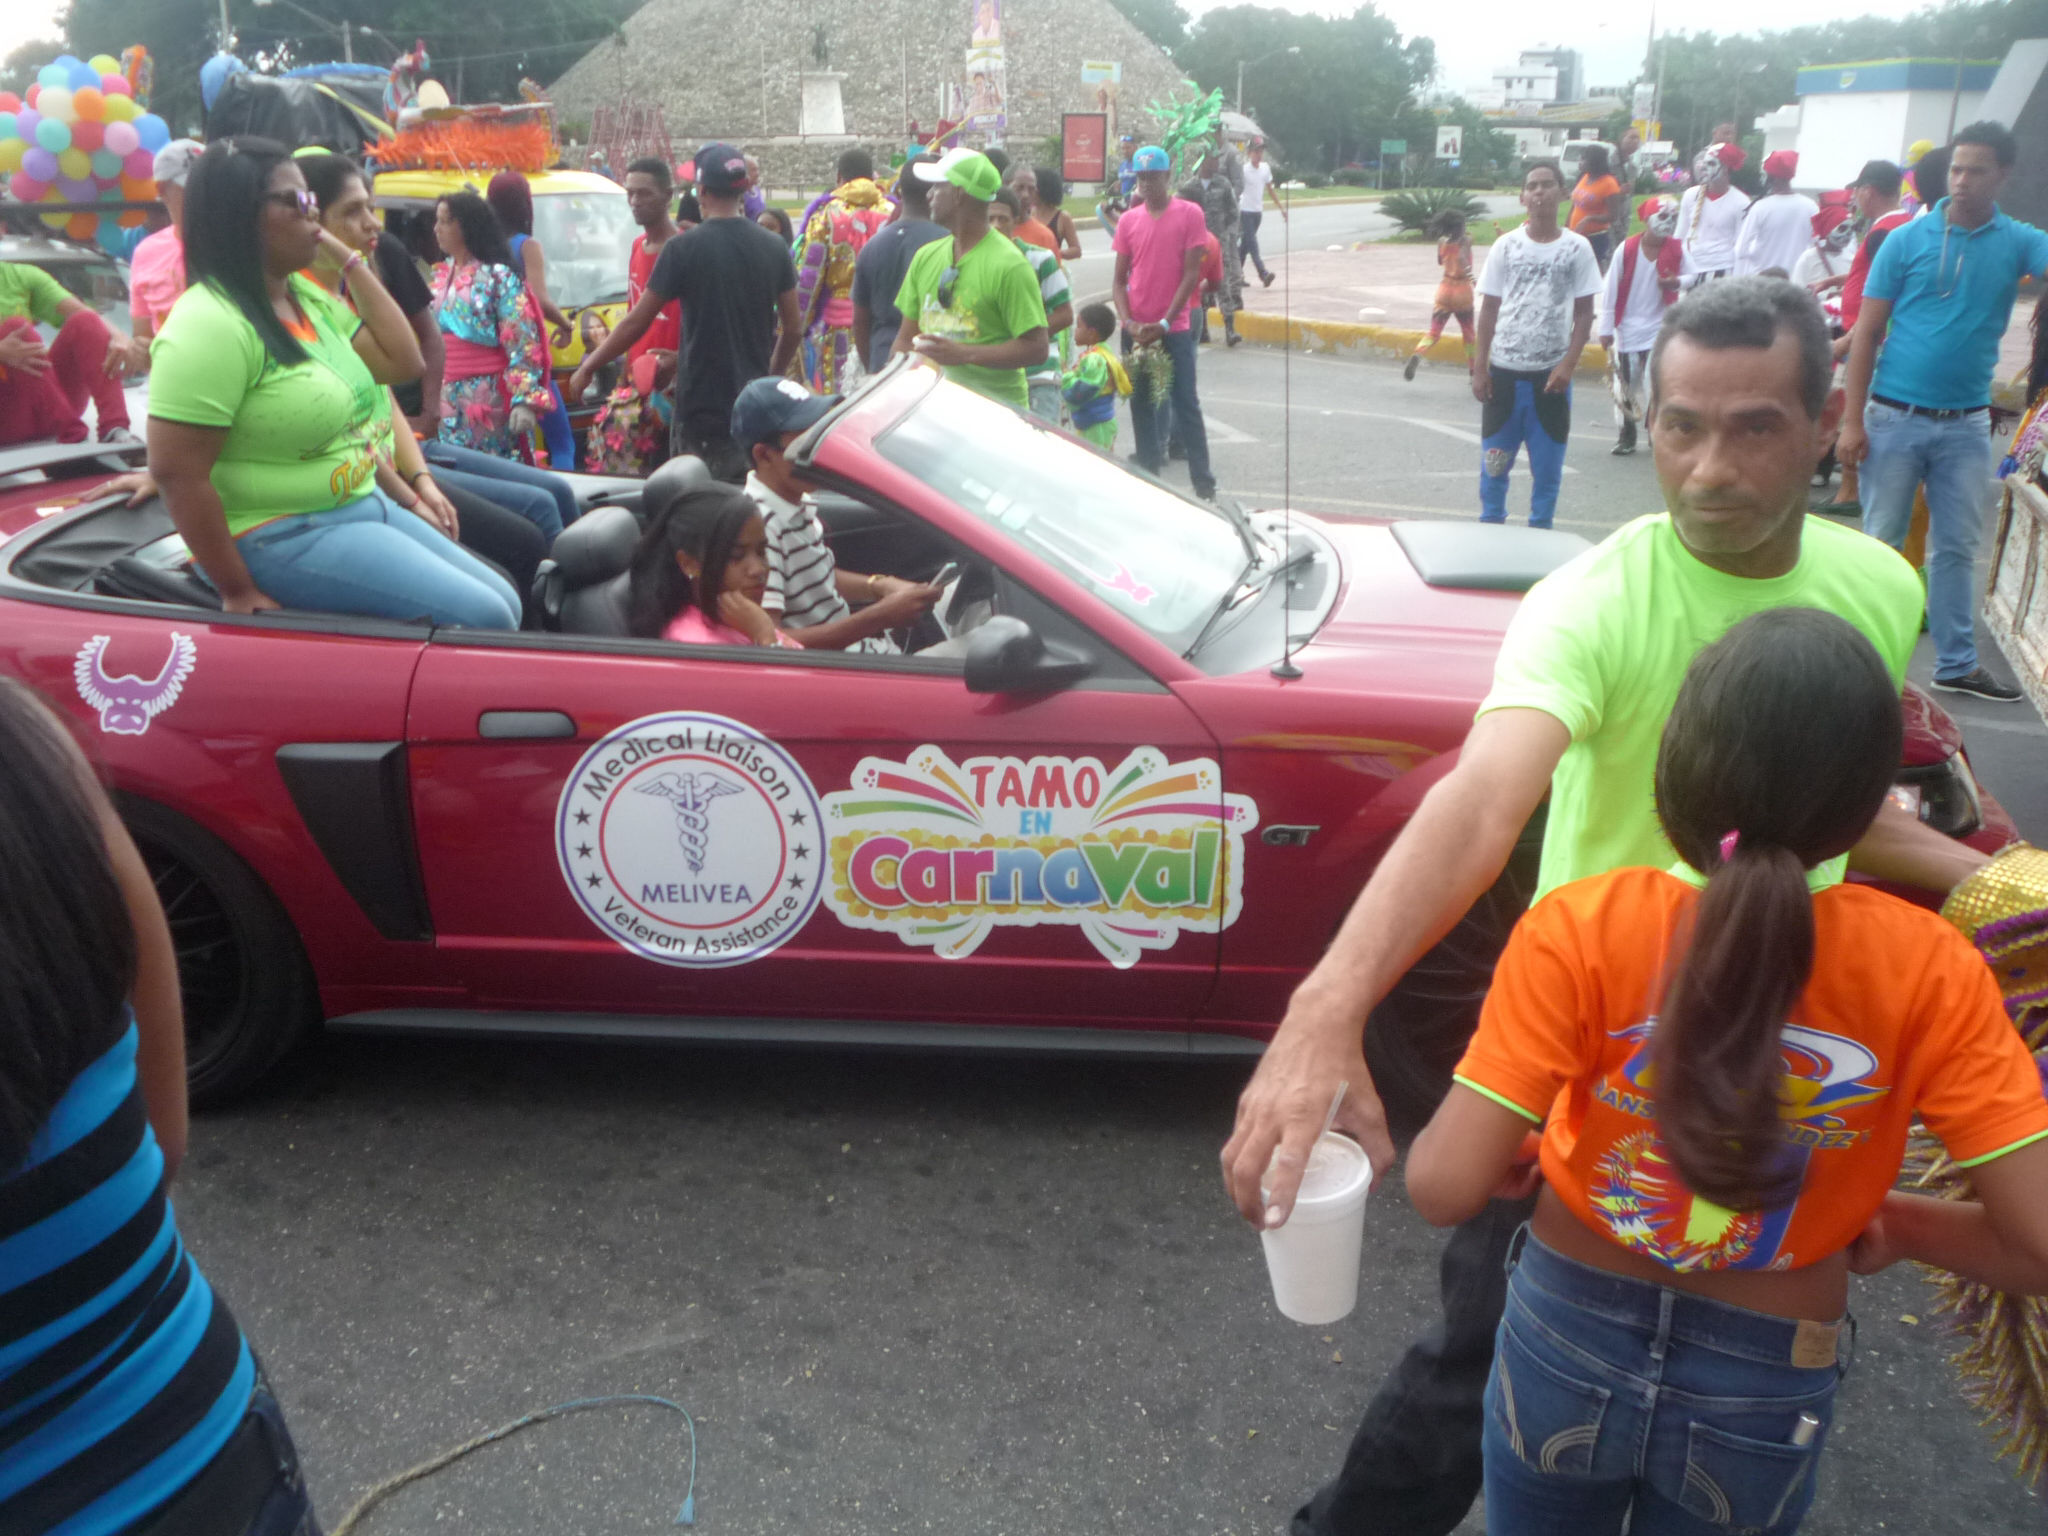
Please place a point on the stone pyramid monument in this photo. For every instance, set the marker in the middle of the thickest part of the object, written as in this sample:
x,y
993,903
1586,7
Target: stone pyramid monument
x,y
797,81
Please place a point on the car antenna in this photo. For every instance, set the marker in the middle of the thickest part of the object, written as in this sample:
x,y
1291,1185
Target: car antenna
x,y
1285,669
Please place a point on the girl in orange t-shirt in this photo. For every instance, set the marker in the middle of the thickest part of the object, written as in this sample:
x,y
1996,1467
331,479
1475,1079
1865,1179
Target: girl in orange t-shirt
x,y
1724,1060
1597,203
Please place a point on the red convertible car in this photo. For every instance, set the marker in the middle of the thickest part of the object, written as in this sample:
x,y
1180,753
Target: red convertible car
x,y
1123,806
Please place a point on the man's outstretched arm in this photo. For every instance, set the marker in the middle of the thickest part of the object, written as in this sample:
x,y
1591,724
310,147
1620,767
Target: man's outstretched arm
x,y
1456,845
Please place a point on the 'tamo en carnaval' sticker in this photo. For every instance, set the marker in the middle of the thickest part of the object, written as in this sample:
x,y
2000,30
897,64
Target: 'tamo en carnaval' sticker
x,y
691,839
943,854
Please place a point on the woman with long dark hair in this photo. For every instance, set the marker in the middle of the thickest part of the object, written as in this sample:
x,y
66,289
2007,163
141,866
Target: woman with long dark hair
x,y
266,399
497,381
133,1401
476,512
511,199
1724,1060
701,570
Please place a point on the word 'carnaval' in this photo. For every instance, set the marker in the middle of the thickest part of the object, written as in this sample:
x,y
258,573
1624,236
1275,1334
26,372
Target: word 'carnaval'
x,y
885,873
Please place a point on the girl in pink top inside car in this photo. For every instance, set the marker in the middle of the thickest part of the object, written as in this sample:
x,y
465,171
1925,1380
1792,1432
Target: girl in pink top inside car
x,y
700,572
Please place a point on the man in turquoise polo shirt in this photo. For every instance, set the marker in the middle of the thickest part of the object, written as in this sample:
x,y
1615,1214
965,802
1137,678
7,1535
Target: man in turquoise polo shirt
x,y
971,304
1938,299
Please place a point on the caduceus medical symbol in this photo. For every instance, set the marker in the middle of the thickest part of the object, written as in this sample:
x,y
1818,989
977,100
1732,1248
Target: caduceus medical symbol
x,y
128,703
691,794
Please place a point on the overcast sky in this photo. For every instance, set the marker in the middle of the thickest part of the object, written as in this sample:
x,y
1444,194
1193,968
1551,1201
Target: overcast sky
x,y
1483,34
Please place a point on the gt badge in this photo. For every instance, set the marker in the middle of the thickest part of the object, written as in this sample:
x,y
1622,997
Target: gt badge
x,y
126,703
691,839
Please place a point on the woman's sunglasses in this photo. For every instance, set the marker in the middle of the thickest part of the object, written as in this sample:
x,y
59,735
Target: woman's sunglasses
x,y
307,205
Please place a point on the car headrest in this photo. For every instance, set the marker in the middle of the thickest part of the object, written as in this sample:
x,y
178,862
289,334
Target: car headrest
x,y
596,547
677,475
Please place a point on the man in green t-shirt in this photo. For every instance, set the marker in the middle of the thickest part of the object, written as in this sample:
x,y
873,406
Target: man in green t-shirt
x,y
1587,674
43,389
971,303
1057,294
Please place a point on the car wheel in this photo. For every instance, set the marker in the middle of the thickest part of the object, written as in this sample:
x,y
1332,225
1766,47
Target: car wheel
x,y
1414,1039
247,992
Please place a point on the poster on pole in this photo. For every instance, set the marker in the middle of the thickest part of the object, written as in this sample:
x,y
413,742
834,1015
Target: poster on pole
x,y
987,93
1450,141
1084,146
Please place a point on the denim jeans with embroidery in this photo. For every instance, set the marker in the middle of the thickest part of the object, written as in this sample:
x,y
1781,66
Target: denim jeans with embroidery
x,y
1619,1404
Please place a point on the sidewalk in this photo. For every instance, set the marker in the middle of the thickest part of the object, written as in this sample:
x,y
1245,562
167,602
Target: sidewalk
x,y
1375,298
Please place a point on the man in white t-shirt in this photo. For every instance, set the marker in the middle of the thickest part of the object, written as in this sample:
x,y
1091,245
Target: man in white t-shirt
x,y
1251,203
1710,214
1642,281
1779,227
1535,314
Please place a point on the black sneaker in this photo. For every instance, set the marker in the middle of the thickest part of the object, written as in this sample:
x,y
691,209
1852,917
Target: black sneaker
x,y
1265,279
1627,444
1980,684
1414,362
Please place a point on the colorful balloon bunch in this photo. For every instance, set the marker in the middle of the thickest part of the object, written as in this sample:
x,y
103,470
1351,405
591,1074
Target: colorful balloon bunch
x,y
78,136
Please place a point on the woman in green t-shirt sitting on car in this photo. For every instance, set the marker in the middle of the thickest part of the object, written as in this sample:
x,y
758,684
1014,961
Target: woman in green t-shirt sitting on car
x,y
265,399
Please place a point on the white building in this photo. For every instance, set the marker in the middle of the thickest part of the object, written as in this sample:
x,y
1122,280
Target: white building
x,y
1848,114
1540,77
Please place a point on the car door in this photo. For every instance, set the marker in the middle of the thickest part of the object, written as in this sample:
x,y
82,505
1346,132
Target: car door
x,y
613,826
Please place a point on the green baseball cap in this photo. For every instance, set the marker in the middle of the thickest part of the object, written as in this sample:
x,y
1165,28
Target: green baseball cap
x,y
968,169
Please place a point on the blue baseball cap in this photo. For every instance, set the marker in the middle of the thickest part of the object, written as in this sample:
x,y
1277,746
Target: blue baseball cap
x,y
767,408
1151,158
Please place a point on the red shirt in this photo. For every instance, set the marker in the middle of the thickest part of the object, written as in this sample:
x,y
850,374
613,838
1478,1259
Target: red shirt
x,y
666,334
1866,253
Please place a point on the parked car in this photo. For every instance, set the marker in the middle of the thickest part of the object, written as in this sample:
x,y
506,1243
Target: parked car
x,y
1099,816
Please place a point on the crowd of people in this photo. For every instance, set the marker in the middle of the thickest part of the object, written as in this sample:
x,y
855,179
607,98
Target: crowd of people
x,y
1917,302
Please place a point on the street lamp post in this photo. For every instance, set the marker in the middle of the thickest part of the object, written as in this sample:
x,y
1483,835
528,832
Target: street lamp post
x,y
1259,60
348,51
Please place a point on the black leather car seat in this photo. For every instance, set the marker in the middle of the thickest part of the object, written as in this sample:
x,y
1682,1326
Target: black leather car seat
x,y
584,586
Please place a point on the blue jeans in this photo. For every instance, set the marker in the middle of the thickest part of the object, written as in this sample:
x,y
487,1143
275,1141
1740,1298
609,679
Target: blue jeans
x,y
1614,1400
1954,459
1521,412
490,466
531,502
374,557
1185,406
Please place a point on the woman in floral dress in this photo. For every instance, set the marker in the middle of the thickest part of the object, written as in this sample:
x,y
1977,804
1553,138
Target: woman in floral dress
x,y
495,388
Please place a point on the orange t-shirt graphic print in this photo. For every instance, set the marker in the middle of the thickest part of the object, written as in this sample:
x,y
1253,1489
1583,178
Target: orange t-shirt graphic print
x,y
1900,1017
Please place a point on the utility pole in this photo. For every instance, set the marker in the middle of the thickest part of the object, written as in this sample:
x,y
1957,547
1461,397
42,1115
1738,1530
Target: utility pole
x,y
348,44
227,32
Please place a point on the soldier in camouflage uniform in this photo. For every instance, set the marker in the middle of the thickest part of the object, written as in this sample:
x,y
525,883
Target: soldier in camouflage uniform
x,y
1220,213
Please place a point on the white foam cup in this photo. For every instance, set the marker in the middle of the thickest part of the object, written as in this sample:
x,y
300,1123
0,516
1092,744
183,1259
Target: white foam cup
x,y
1313,1258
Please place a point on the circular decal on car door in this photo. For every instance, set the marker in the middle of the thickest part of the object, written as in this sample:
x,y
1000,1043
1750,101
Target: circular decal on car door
x,y
690,839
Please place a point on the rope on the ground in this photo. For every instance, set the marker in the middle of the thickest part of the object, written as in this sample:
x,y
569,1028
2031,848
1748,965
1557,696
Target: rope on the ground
x,y
687,1515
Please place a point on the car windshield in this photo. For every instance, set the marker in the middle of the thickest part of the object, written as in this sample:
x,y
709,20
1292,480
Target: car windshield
x,y
1164,561
587,237
88,276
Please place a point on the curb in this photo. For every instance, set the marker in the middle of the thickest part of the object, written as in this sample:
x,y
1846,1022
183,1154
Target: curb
x,y
1350,339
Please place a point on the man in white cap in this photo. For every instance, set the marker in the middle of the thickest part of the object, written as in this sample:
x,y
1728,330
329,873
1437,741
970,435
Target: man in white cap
x,y
156,272
972,304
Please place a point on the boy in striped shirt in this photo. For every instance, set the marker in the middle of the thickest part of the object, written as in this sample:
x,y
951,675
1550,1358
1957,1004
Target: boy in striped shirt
x,y
807,592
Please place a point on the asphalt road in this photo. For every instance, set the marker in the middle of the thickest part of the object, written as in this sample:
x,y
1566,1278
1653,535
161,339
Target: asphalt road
x,y
907,1294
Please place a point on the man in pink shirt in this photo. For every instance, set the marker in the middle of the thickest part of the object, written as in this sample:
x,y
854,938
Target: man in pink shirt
x,y
1159,248
156,272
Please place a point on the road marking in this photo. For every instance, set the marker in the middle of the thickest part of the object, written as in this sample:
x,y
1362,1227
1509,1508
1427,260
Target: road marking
x,y
2005,727
1273,500
1448,429
1224,432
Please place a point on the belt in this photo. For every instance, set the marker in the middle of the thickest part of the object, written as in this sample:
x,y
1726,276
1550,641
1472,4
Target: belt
x,y
1927,411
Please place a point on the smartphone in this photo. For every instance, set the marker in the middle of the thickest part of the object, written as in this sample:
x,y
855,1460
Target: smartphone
x,y
947,572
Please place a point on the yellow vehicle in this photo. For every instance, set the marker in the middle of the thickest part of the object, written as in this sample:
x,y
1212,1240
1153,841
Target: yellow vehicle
x,y
580,219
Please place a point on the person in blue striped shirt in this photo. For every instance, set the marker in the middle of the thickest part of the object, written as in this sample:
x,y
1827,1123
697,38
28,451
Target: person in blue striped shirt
x,y
130,1402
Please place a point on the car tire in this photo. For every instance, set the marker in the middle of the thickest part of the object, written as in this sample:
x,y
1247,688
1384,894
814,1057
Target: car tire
x,y
1414,1039
247,990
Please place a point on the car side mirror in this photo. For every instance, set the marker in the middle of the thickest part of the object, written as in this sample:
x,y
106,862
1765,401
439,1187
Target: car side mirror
x,y
1006,655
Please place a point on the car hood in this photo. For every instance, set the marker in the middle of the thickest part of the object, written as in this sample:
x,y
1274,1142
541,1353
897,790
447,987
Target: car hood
x,y
1389,625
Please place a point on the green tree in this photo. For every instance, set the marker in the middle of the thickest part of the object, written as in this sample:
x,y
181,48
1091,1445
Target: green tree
x,y
1710,79
481,46
1163,21
18,69
1353,82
